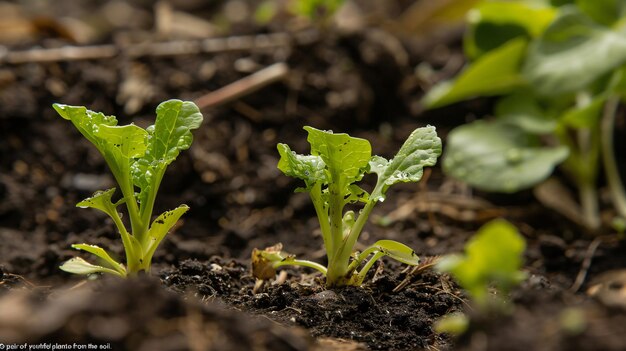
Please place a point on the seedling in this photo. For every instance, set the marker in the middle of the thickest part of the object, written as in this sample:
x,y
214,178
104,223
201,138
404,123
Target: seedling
x,y
493,258
336,163
560,97
137,158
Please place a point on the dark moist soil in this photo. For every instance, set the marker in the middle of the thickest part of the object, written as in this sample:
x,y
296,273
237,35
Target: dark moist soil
x,y
374,314
358,82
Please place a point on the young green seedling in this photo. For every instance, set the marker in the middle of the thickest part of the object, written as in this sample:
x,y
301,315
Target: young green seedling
x,y
137,158
336,163
492,258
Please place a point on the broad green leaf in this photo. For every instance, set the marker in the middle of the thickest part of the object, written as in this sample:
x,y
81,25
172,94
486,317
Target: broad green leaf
x,y
420,150
493,255
492,24
87,122
160,227
522,110
130,139
605,12
306,167
98,251
397,251
98,129
345,157
495,73
497,157
77,265
170,134
573,52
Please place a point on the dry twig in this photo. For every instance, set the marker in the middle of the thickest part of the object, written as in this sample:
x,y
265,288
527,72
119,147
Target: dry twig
x,y
244,86
169,48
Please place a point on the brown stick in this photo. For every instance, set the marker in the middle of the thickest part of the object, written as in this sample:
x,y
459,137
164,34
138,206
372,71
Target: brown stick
x,y
171,48
584,267
244,86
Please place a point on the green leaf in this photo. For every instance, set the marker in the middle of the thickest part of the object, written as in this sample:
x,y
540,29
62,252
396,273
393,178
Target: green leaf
x,y
306,167
170,134
345,157
495,73
87,122
493,255
397,251
356,194
160,227
455,323
522,110
129,140
492,24
497,157
420,150
98,251
116,144
605,12
573,52
100,200
77,265
585,116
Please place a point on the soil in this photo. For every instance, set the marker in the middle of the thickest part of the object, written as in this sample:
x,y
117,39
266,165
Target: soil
x,y
202,295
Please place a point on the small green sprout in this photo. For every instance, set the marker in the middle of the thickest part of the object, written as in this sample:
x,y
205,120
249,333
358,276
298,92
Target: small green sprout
x,y
336,163
137,158
492,256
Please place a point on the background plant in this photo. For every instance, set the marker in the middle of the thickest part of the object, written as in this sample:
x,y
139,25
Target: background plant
x,y
492,259
138,159
560,72
336,163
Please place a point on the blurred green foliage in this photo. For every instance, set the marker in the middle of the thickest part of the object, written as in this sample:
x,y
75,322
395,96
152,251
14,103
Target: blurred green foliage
x,y
493,257
559,67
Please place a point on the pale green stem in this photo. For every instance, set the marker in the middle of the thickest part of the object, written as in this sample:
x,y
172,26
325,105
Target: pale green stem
x,y
361,275
336,217
322,216
148,207
303,263
338,267
586,178
589,203
362,256
618,195
128,191
126,240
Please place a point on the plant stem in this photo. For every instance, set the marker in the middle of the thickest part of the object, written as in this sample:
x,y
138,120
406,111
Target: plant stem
x,y
303,263
146,209
338,267
322,216
361,275
586,176
126,240
589,204
336,217
618,195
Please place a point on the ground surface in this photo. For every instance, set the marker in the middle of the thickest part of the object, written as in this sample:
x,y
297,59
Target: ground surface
x,y
362,82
